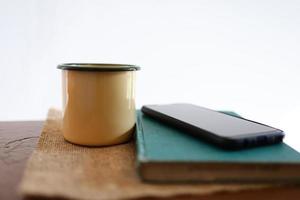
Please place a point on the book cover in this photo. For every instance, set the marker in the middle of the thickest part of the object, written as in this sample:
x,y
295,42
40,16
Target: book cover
x,y
166,154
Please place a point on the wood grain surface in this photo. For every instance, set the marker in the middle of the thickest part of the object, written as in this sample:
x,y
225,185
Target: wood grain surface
x,y
17,141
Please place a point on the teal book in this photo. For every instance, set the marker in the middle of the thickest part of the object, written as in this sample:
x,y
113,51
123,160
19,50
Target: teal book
x,y
166,154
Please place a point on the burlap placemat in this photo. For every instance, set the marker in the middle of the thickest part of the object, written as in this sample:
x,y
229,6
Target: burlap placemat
x,y
60,169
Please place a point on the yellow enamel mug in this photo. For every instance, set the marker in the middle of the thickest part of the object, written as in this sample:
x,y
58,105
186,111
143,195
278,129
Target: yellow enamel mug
x,y
98,103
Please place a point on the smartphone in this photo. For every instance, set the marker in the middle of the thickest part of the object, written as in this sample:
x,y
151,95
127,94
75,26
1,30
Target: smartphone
x,y
224,130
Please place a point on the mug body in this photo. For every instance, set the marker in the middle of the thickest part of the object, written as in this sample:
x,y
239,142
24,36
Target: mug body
x,y
98,104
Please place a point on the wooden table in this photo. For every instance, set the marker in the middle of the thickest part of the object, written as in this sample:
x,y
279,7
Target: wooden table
x,y
18,140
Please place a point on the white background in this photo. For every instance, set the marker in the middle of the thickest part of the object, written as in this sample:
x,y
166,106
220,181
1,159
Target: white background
x,y
236,55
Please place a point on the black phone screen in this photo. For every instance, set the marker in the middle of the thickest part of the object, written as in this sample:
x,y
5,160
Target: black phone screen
x,y
212,121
